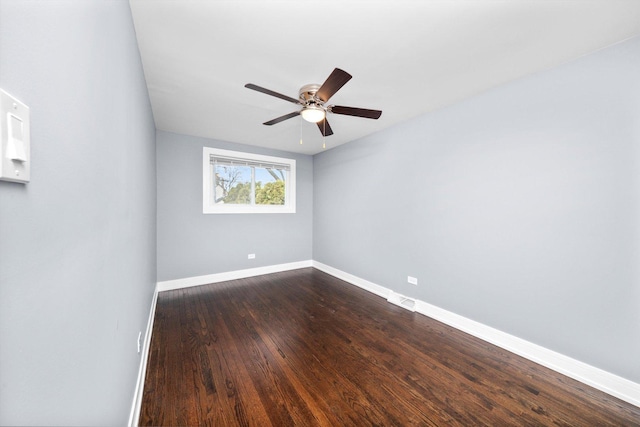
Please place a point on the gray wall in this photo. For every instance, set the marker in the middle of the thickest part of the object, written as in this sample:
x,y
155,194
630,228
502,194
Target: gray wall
x,y
191,243
77,244
518,208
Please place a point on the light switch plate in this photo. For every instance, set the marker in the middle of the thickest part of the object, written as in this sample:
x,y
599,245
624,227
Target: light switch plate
x,y
15,136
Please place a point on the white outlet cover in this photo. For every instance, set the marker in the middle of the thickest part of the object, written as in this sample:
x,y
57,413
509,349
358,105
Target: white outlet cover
x,y
412,280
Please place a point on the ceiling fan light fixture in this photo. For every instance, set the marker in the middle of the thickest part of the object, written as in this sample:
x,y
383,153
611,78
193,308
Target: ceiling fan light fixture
x,y
313,114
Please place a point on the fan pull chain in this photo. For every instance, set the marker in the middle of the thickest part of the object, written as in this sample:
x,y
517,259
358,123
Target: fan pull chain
x,y
324,132
300,130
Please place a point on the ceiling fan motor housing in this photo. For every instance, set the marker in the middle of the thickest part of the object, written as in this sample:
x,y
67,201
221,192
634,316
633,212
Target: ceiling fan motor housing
x,y
307,95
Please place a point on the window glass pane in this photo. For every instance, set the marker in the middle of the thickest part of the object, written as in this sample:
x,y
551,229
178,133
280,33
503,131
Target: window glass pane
x,y
238,183
233,185
270,185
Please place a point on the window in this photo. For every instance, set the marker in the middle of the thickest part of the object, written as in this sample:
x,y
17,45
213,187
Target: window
x,y
236,182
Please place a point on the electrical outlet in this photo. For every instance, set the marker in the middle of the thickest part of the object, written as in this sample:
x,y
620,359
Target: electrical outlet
x,y
252,256
412,280
139,341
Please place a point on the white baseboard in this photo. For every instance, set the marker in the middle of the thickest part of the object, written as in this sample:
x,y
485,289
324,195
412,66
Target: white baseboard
x,y
381,291
607,382
134,416
229,275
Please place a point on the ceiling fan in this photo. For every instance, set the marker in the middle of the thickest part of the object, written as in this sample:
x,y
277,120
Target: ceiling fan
x,y
313,99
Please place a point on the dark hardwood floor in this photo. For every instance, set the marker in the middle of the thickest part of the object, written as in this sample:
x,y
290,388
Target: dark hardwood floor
x,y
304,348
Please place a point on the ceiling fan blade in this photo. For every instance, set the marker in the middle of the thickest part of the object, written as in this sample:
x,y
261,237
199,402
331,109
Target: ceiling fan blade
x,y
272,93
324,127
282,118
358,112
334,82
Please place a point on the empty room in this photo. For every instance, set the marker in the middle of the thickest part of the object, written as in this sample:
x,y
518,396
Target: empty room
x,y
320,213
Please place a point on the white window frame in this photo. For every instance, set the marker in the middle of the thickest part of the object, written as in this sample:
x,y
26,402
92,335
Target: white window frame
x,y
208,171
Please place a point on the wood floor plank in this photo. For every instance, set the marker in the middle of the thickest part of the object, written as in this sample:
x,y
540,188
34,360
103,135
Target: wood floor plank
x,y
239,401
304,348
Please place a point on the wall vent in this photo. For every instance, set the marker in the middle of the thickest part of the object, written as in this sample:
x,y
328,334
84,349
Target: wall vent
x,y
402,301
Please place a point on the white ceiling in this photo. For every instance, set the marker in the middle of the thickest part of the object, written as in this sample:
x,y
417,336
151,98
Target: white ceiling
x,y
406,57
